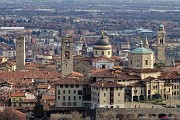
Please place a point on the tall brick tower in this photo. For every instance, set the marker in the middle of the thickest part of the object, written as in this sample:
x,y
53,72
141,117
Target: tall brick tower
x,y
161,36
67,55
20,53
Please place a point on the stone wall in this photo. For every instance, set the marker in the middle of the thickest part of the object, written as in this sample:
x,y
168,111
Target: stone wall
x,y
133,113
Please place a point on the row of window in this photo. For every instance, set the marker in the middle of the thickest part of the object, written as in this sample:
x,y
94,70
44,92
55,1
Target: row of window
x,y
173,81
105,89
69,103
175,93
95,99
70,91
137,61
15,100
74,98
175,87
141,54
149,91
69,86
94,93
102,52
127,80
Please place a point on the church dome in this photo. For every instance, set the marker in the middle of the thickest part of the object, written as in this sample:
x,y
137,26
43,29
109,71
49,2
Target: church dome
x,y
102,41
102,47
141,58
141,50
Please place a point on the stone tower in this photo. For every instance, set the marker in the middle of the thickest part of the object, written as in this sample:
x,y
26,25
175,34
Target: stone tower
x,y
161,36
20,53
84,50
67,55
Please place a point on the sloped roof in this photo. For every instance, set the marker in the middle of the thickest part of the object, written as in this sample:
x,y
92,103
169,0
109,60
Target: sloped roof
x,y
102,41
106,84
136,84
18,94
101,58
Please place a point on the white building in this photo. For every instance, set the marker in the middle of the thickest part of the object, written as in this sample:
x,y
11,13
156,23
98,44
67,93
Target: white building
x,y
103,62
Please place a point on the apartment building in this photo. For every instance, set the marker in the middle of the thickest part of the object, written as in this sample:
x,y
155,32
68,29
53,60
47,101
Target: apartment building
x,y
107,94
69,92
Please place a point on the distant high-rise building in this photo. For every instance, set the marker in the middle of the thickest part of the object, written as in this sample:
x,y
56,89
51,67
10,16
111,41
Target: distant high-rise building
x,y
20,53
161,36
67,55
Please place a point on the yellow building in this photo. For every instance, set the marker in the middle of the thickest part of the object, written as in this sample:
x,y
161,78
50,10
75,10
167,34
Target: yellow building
x,y
17,99
141,58
22,100
102,47
107,94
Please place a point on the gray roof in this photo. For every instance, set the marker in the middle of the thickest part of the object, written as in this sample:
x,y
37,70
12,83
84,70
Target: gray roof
x,y
102,41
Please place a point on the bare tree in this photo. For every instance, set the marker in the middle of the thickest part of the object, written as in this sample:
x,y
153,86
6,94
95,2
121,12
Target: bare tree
x,y
76,116
108,115
72,116
176,115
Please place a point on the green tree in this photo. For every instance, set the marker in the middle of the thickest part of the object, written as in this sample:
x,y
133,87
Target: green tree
x,y
38,110
157,96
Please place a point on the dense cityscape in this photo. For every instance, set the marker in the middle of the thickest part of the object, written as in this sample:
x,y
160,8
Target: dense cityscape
x,y
89,60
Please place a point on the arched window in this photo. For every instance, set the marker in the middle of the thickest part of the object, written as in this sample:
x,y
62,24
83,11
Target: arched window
x,y
108,52
161,41
102,52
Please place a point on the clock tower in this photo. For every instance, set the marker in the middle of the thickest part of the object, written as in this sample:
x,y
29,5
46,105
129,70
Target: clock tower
x,y
67,55
161,36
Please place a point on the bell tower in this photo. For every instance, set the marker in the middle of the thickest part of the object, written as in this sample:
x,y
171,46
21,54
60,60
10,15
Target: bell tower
x,y
20,53
161,36
67,55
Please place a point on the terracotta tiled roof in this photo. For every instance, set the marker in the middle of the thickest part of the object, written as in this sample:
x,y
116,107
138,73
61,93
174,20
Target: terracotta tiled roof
x,y
116,58
31,74
21,116
106,84
48,97
29,100
72,81
42,86
76,74
141,70
117,67
170,75
101,58
149,78
18,94
102,73
126,76
87,59
137,84
167,84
